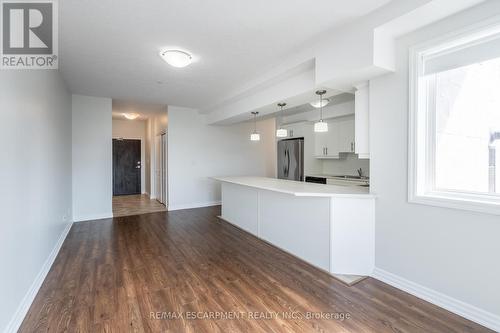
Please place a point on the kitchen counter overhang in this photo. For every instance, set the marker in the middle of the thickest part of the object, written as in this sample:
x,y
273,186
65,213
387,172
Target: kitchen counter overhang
x,y
299,189
331,227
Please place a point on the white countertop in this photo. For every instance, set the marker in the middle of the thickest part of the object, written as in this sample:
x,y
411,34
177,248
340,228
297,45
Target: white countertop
x,y
300,189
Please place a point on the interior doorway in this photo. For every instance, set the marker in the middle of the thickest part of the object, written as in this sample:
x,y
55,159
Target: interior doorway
x,y
126,167
139,158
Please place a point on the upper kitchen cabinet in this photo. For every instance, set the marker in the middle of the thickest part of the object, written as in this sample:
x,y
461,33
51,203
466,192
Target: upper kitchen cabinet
x,y
296,130
338,139
346,134
362,120
325,144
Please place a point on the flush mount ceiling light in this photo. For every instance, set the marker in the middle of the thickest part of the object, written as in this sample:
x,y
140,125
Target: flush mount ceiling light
x,y
255,136
318,104
131,116
281,132
320,126
176,58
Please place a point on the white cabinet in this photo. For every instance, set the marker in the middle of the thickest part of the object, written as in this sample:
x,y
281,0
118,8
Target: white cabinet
x,y
346,135
296,130
338,139
326,144
362,120
320,144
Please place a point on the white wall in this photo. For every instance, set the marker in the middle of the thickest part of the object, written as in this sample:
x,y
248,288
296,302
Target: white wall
x,y
35,183
134,129
451,251
197,151
92,158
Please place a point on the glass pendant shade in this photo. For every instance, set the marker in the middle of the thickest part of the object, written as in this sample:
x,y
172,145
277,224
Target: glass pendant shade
x,y
255,137
281,133
321,127
320,104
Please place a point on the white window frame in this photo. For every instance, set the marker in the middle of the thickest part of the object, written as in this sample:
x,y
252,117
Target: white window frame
x,y
421,127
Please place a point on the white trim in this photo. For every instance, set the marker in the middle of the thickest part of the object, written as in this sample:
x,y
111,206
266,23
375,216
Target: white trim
x,y
437,200
454,305
29,297
194,205
363,155
90,217
328,157
420,159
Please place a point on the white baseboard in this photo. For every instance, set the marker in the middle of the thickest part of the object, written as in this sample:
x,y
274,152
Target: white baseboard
x,y
25,304
193,205
90,217
460,308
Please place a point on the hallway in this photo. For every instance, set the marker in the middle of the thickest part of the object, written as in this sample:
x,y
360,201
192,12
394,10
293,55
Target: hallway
x,y
127,205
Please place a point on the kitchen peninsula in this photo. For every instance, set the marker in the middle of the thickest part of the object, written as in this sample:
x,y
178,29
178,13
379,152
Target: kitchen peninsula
x,y
331,227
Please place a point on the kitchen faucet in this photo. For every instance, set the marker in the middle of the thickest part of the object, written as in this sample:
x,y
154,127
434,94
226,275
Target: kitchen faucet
x,y
360,172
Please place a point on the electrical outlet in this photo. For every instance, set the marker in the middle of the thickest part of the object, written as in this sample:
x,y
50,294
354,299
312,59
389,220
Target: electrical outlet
x,y
66,217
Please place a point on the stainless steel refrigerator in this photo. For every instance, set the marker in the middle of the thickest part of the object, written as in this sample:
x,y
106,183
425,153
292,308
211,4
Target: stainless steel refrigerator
x,y
291,159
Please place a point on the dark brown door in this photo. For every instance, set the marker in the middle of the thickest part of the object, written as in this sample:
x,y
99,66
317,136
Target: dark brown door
x,y
126,167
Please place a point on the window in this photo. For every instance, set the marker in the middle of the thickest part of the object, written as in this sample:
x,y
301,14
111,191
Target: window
x,y
454,143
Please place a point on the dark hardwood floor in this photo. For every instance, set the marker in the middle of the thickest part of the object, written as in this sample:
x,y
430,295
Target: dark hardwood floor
x,y
166,272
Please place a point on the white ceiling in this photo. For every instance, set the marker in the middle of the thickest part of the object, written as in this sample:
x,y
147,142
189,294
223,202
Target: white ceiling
x,y
110,48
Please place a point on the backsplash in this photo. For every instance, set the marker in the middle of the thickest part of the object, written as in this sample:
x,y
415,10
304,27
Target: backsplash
x,y
346,166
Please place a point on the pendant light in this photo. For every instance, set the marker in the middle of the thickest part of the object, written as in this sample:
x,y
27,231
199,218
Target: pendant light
x,y
321,126
318,104
255,136
281,132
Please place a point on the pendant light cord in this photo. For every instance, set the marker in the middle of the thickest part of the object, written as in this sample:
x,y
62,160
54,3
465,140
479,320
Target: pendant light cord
x,y
282,115
321,107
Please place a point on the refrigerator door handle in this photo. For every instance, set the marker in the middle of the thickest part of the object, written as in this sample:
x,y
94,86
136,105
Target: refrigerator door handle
x,y
287,163
301,161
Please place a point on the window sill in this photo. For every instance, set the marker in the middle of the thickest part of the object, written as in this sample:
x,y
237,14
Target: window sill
x,y
452,201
